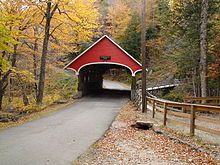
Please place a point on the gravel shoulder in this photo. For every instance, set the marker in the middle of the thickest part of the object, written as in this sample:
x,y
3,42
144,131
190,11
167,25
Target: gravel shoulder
x,y
123,144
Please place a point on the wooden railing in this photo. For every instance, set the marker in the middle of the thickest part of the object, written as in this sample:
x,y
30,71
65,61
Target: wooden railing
x,y
198,100
163,108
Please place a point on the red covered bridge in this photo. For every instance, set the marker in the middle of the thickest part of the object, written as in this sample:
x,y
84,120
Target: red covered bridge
x,y
103,55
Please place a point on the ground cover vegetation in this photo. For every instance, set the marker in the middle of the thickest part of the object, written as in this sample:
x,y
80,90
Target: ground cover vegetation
x,y
35,37
182,41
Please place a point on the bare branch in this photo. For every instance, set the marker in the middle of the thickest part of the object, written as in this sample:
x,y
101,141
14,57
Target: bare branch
x,y
54,8
5,86
42,20
55,28
28,45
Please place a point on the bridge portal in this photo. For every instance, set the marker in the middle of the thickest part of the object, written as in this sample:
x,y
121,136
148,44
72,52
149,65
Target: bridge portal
x,y
103,55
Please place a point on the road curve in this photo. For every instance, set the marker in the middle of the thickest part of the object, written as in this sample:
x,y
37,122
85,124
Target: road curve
x,y
59,138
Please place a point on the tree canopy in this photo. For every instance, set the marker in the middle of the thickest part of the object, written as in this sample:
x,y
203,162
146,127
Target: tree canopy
x,y
35,36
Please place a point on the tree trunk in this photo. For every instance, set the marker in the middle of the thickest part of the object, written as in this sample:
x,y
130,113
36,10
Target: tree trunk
x,y
203,47
44,55
4,77
35,67
218,88
143,53
194,86
25,98
49,14
1,94
9,90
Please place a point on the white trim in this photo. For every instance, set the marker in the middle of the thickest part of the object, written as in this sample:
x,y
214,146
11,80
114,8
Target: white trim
x,y
77,72
95,44
137,71
94,63
84,52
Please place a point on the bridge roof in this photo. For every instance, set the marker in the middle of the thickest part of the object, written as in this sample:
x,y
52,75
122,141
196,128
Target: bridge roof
x,y
105,51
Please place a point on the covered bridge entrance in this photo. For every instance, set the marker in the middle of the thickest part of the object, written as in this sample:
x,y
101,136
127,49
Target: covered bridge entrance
x,y
103,55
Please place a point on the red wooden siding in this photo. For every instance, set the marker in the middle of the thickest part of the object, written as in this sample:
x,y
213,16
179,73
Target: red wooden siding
x,y
105,47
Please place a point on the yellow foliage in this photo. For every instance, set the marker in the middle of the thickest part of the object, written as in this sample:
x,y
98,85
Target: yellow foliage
x,y
178,3
119,16
74,21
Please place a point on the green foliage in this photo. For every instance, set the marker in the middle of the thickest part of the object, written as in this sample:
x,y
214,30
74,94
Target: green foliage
x,y
179,22
61,84
131,41
180,27
6,35
81,48
174,95
105,3
152,32
5,39
67,86
3,63
58,86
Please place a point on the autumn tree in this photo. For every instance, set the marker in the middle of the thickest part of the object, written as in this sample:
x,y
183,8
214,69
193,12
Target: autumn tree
x,y
119,16
5,40
50,10
23,25
14,23
76,21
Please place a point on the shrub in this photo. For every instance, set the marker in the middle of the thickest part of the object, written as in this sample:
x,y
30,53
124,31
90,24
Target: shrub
x,y
174,95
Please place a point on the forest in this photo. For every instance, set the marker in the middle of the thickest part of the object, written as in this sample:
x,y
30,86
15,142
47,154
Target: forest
x,y
38,37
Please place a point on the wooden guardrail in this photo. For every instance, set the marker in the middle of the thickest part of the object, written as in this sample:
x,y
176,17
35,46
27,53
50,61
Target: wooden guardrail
x,y
163,108
198,100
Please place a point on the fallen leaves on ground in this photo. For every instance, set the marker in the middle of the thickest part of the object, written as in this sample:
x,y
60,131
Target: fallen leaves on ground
x,y
125,145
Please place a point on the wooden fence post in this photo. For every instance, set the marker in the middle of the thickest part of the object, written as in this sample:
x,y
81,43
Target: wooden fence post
x,y
165,114
153,112
184,109
192,120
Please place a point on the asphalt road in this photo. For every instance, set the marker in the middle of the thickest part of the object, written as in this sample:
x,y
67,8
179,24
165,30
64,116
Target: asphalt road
x,y
59,138
107,84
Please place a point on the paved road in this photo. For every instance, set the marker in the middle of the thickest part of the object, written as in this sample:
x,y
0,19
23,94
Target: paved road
x,y
107,84
59,138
